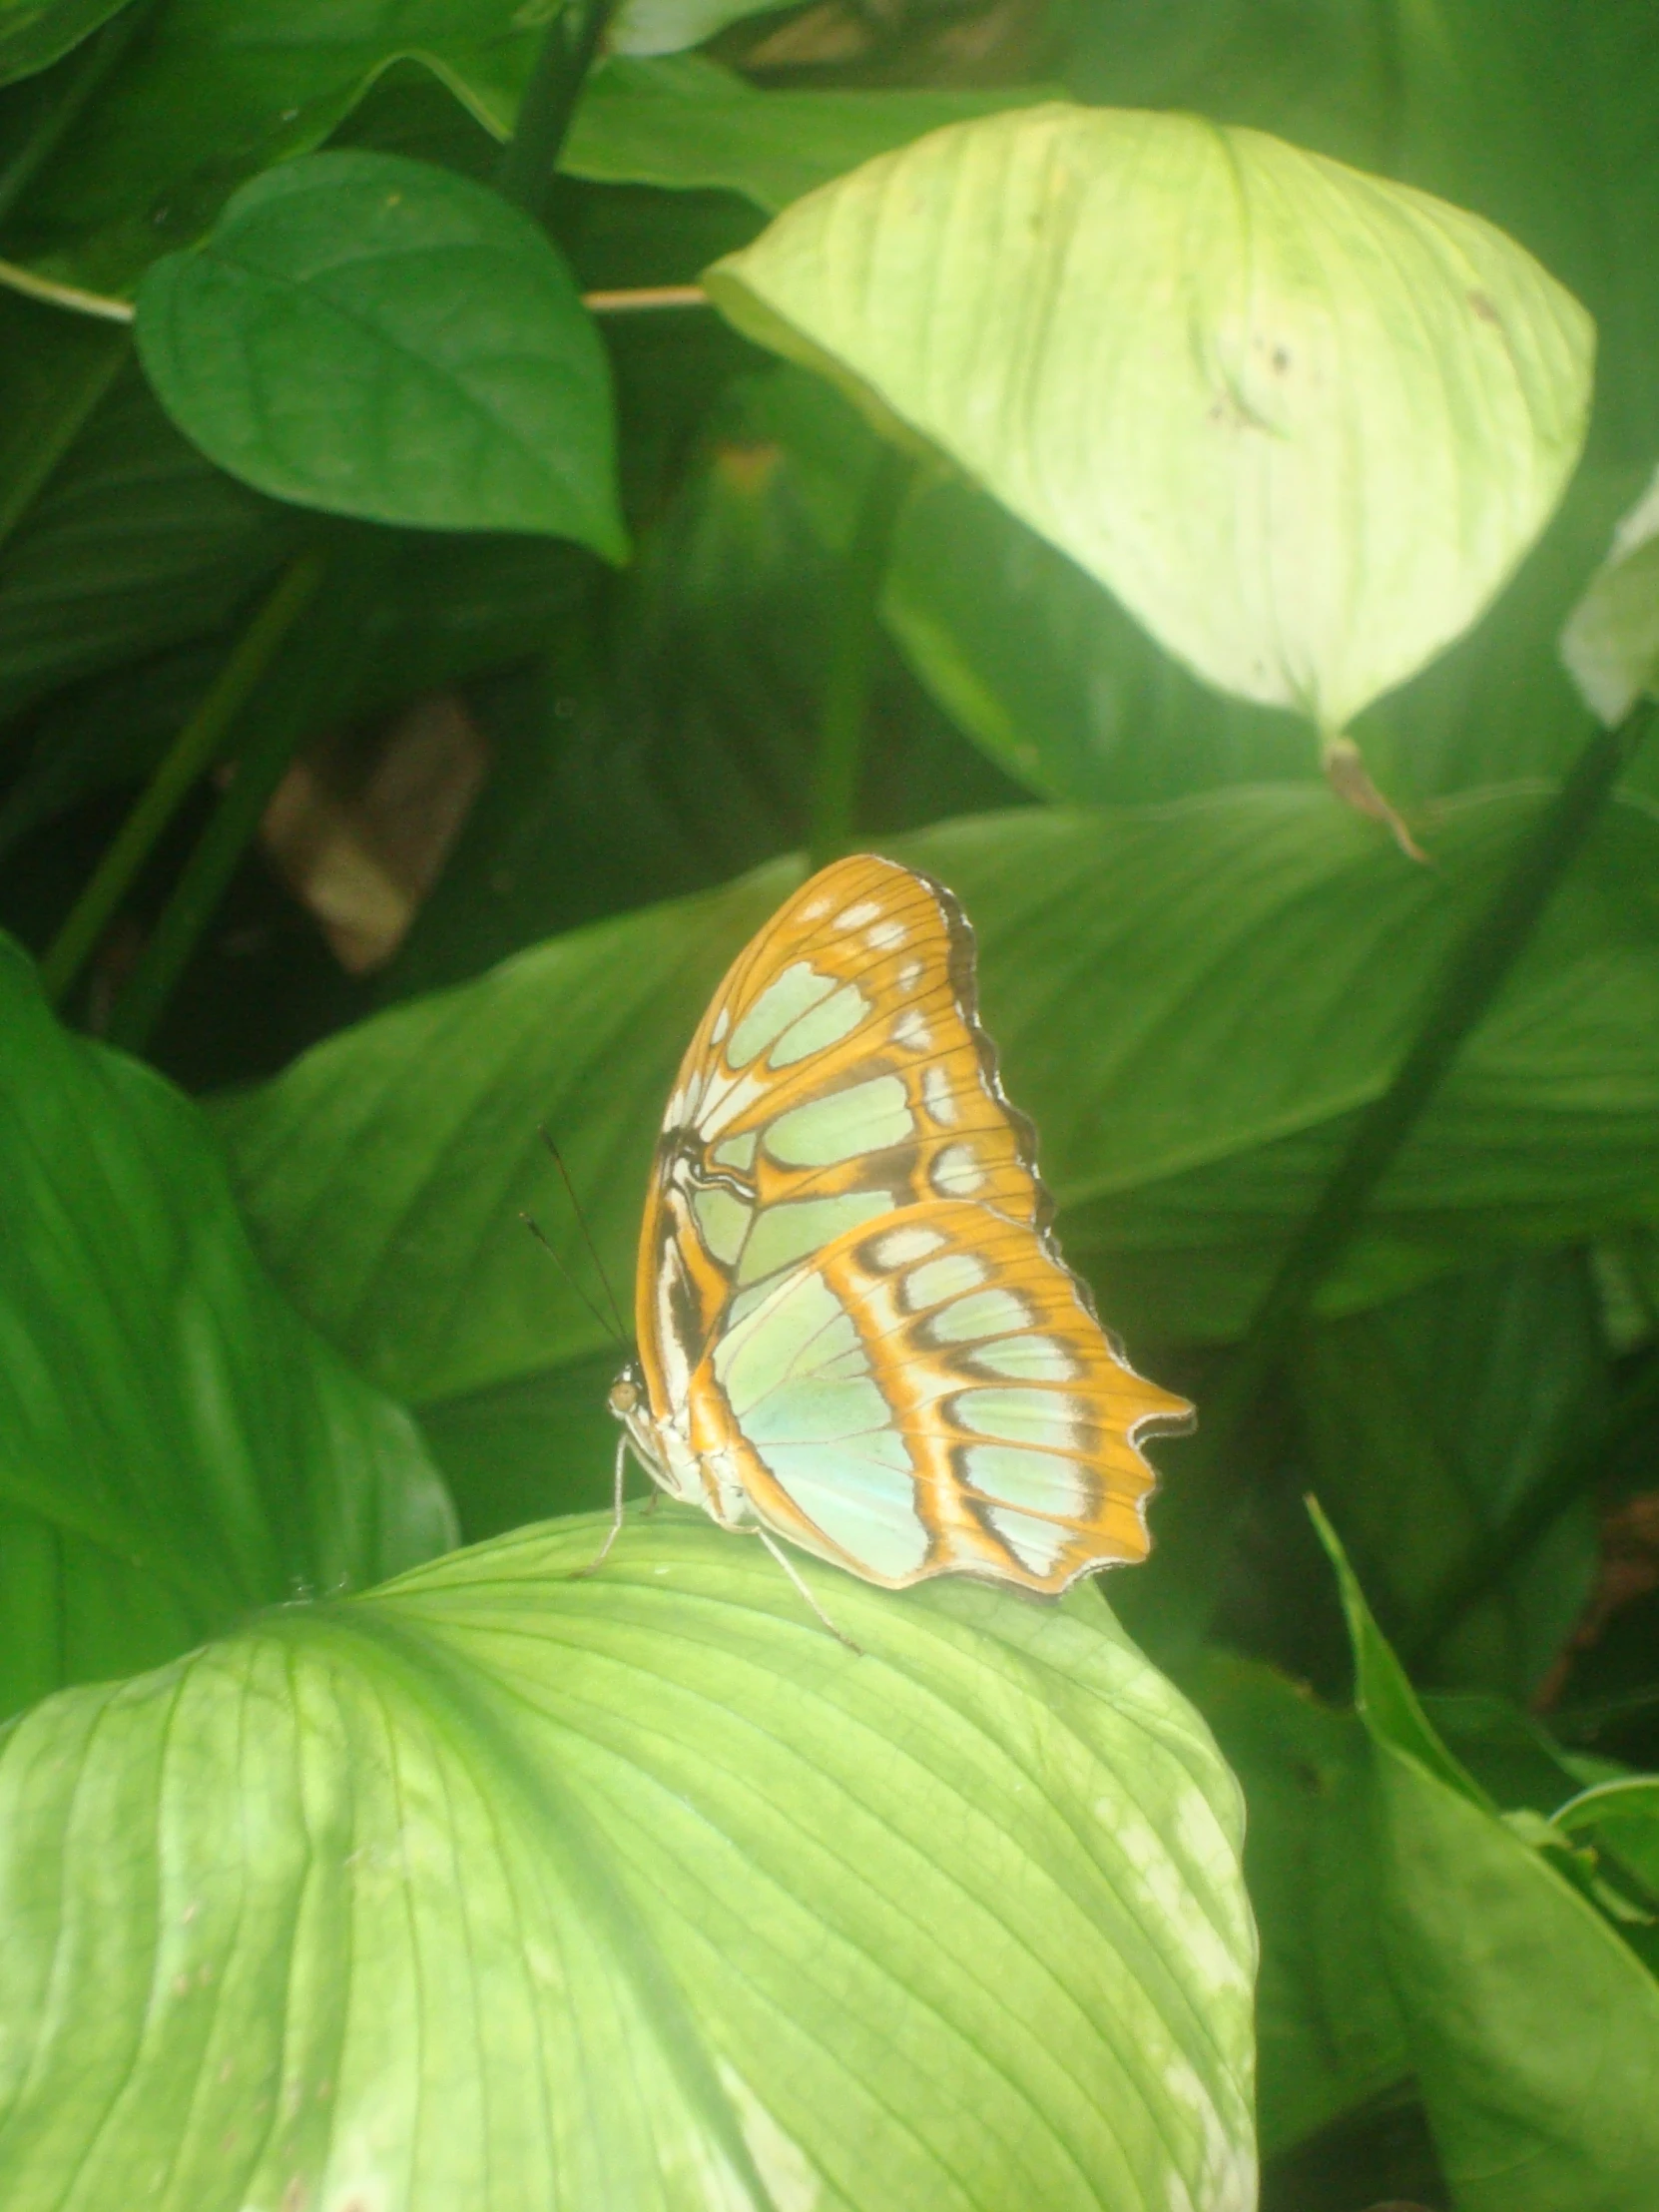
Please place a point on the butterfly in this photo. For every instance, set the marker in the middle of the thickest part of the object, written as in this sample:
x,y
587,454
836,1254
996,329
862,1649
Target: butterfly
x,y
855,1330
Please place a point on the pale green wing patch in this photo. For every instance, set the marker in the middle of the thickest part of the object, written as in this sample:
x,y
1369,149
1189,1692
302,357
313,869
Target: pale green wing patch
x,y
1610,642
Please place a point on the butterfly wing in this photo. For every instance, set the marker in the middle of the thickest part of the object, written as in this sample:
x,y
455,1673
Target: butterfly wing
x,y
839,1074
934,1394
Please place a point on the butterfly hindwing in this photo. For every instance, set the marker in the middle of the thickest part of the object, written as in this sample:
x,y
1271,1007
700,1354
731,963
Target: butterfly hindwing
x,y
929,1393
839,1074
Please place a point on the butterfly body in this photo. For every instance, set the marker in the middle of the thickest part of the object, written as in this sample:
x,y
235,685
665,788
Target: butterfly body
x,y
855,1330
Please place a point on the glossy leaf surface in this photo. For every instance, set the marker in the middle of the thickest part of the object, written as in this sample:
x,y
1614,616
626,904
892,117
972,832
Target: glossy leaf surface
x,y
375,338
500,1888
1180,354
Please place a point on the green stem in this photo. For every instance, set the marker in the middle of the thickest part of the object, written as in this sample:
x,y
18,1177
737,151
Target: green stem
x,y
1498,1552
304,687
92,65
1200,1511
192,751
531,158
839,764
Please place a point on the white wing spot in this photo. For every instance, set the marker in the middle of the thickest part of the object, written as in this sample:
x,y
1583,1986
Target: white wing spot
x,y
941,1279
1029,1359
911,975
911,1029
886,936
901,1246
816,912
854,916
957,1172
939,1097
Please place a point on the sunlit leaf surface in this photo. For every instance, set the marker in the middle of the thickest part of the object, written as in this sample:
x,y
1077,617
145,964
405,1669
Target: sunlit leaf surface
x,y
497,1888
1303,421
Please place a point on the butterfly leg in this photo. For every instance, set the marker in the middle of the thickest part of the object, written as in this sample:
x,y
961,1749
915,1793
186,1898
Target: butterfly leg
x,y
594,1564
788,1564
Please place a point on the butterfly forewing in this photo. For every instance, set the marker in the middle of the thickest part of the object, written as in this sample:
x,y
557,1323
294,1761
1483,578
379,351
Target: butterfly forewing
x,y
840,1074
930,1394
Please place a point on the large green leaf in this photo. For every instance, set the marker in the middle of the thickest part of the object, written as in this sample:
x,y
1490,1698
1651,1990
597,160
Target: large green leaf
x,y
1032,658
377,337
1533,2028
177,1446
1191,1000
1302,421
499,1889
1429,1420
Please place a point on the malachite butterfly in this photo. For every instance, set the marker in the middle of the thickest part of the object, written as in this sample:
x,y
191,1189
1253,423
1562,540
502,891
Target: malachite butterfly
x,y
855,1329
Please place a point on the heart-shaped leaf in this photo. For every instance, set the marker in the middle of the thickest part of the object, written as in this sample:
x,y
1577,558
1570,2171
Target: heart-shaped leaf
x,y
1303,421
378,337
497,1887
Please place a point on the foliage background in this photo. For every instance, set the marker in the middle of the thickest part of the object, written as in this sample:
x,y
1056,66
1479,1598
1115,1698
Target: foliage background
x,y
532,780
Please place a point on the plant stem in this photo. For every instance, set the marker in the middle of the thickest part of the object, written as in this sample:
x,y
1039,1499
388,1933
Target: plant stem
x,y
305,685
1496,1553
192,751
92,64
1202,1509
857,631
531,157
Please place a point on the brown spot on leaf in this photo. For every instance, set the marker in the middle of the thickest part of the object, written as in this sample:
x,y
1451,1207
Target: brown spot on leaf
x,y
1483,307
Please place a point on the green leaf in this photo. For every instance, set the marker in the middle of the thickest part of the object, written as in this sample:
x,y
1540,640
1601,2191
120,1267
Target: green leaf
x,y
1330,2036
179,1447
1611,640
36,33
1185,1106
1534,2029
1225,420
1624,1817
691,125
135,543
497,1886
378,338
1431,1420
218,89
1031,658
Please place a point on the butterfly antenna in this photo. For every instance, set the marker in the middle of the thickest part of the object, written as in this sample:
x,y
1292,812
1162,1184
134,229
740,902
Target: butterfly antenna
x,y
587,1236
535,1230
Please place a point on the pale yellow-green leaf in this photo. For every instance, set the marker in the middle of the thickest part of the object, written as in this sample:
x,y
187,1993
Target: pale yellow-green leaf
x,y
1610,643
1303,421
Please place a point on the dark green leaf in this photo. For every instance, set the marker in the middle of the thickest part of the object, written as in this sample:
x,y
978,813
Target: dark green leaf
x,y
1329,2030
1429,1420
376,338
497,1887
179,1447
34,33
1534,2028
